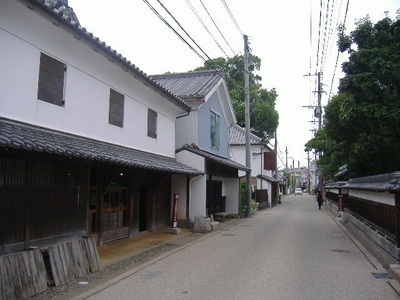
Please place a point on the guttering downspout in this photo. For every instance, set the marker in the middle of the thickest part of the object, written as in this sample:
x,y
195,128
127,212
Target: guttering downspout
x,y
184,115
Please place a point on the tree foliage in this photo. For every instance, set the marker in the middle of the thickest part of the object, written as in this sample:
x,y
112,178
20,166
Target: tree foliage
x,y
264,118
362,123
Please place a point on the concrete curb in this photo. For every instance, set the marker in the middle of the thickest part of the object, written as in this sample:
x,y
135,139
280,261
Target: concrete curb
x,y
393,270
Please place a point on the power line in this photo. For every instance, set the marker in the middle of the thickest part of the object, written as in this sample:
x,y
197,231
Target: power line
x,y
334,27
216,26
319,36
337,57
176,21
204,25
168,25
232,17
324,43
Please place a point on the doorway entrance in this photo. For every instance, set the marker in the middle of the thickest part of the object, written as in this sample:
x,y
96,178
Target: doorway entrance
x,y
215,201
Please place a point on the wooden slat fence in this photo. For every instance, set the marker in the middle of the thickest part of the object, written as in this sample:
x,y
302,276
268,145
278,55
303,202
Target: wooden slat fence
x,y
73,260
379,214
22,275
262,198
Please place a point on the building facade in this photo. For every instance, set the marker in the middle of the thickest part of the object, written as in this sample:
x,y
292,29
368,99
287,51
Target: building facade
x,y
202,140
87,140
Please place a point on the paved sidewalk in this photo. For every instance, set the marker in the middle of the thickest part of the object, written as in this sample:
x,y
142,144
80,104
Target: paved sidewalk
x,y
380,256
120,257
297,252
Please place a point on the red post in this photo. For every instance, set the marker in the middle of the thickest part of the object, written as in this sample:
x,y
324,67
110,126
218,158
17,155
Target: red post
x,y
340,202
175,211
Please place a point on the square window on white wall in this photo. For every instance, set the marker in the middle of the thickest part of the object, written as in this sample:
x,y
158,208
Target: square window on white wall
x,y
151,123
116,111
51,80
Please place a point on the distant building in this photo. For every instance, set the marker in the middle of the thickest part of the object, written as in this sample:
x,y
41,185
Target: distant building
x,y
263,160
202,140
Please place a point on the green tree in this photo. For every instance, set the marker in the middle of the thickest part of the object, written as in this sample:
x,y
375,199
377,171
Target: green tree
x,y
264,118
362,123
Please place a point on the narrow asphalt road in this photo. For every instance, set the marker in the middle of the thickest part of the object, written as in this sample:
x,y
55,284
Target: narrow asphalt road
x,y
292,251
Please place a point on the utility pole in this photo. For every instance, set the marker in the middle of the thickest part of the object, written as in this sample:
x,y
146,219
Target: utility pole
x,y
319,102
318,114
319,127
294,179
276,156
247,122
276,167
286,171
309,172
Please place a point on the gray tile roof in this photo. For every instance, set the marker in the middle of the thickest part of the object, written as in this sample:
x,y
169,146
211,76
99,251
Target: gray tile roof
x,y
191,84
237,136
18,135
218,159
382,182
63,7
267,178
60,10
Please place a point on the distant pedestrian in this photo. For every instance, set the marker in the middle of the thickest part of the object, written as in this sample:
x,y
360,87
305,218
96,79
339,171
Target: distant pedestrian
x,y
319,199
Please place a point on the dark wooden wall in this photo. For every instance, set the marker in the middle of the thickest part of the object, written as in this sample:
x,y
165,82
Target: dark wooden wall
x,y
40,198
45,198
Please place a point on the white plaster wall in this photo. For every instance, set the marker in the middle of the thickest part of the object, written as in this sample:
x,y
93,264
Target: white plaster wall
x,y
335,191
186,130
231,191
197,191
381,197
238,154
269,184
178,185
190,159
24,34
197,184
265,185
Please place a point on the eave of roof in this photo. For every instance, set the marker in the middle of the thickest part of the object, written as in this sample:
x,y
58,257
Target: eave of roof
x,y
18,135
336,185
237,137
190,85
215,158
72,24
383,182
267,178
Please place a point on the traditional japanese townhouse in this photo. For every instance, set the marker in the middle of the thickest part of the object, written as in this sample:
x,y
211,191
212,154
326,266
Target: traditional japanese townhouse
x,y
202,140
264,183
87,140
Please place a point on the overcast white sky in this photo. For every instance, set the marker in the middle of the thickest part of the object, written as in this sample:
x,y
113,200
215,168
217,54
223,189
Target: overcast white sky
x,y
279,32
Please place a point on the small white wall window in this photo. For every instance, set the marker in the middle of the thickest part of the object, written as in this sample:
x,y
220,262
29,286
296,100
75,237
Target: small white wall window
x,y
51,80
151,123
116,110
214,132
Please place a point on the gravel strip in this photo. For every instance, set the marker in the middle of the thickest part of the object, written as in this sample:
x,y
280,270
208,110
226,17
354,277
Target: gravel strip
x,y
86,283
78,286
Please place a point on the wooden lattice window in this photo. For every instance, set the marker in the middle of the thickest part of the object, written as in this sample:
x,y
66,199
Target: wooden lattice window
x,y
51,80
116,111
152,123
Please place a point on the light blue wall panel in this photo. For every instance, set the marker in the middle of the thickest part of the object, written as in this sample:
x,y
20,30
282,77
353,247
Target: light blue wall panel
x,y
204,130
